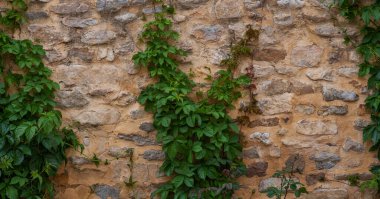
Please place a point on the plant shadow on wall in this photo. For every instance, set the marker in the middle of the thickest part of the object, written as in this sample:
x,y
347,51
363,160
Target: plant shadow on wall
x,y
200,140
366,14
32,142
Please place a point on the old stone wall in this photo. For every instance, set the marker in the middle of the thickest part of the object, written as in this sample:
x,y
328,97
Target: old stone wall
x,y
307,88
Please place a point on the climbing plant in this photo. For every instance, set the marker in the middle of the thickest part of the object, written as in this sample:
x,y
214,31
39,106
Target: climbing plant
x,y
32,142
367,15
200,140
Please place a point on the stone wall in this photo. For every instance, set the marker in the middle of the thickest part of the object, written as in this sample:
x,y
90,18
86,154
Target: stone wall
x,y
308,91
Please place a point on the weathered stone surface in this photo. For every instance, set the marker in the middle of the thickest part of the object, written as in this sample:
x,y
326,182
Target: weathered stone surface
x,y
126,17
251,5
111,5
152,10
301,87
55,56
119,152
251,153
325,160
77,160
207,32
99,116
106,191
306,56
276,104
316,127
267,36
262,137
291,3
320,74
348,72
269,182
263,69
264,122
257,169
84,54
71,99
274,87
282,132
37,15
137,114
124,99
331,94
98,37
327,30
360,124
70,8
154,155
351,145
228,9
307,109
286,70
295,163
346,176
283,19
275,152
48,34
270,54
315,14
313,178
327,193
137,139
189,4
333,110
147,127
76,22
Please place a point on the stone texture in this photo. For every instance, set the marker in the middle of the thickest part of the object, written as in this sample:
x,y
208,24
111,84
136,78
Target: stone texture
x,y
207,32
76,22
316,127
270,54
306,109
274,87
276,104
301,87
189,4
306,56
275,152
139,140
147,127
228,9
262,137
99,116
263,69
37,15
70,8
71,99
106,191
320,74
327,193
348,72
327,30
291,3
283,19
48,34
313,178
84,54
351,145
119,152
98,37
251,153
315,14
333,110
110,5
295,163
126,17
331,94
257,169
269,182
325,160
264,122
360,124
154,155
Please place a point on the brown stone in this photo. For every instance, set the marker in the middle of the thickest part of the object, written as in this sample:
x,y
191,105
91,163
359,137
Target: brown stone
x,y
264,122
312,179
270,54
257,169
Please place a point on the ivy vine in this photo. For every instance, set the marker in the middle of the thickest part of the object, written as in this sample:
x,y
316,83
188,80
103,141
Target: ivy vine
x,y
32,142
200,140
367,15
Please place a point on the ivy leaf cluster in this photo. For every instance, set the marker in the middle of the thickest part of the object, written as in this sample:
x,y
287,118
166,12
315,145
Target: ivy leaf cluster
x,y
32,142
367,15
200,140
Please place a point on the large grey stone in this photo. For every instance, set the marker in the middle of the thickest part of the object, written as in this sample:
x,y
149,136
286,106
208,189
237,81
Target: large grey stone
x,y
262,69
306,56
316,127
274,87
327,194
333,110
351,145
99,116
269,182
84,54
327,30
291,3
360,123
76,22
276,104
325,160
300,87
283,19
331,94
147,127
111,5
262,137
207,32
154,155
348,72
320,74
37,15
252,5
71,98
137,139
98,37
126,17
307,109
106,191
70,8
295,163
228,9
189,4
49,34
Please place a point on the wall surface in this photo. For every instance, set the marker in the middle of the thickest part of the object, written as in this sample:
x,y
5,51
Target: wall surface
x,y
308,90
